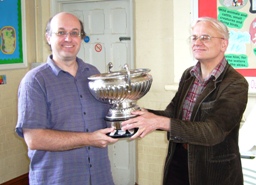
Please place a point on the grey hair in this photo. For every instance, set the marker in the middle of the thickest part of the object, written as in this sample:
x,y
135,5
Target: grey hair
x,y
216,24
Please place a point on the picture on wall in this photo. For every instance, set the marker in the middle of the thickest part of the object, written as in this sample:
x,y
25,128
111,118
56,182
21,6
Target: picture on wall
x,y
239,17
12,35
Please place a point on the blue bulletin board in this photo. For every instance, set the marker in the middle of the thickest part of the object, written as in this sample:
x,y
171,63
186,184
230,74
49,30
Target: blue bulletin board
x,y
12,34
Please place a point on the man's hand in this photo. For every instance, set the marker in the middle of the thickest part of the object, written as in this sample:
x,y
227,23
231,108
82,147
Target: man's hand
x,y
54,140
100,139
146,123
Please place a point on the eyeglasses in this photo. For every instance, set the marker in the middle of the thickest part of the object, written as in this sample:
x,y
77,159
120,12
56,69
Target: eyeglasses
x,y
65,33
202,38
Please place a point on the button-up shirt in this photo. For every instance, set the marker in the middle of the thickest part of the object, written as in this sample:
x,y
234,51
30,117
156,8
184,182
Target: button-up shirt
x,y
198,86
50,98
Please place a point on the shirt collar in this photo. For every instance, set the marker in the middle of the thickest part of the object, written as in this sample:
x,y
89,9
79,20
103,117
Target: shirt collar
x,y
56,70
216,72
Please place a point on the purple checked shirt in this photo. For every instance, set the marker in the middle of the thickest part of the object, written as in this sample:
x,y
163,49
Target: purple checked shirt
x,y
50,98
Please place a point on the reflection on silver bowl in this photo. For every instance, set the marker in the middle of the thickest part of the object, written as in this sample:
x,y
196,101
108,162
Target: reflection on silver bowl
x,y
121,89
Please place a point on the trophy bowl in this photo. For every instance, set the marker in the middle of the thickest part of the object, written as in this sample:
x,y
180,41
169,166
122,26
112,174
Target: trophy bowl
x,y
121,89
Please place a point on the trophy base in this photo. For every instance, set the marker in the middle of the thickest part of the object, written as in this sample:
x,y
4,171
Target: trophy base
x,y
118,132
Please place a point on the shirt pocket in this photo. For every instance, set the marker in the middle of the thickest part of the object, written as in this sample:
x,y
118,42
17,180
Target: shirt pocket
x,y
206,109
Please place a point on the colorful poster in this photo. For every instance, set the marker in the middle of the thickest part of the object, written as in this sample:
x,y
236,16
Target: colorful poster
x,y
11,46
240,17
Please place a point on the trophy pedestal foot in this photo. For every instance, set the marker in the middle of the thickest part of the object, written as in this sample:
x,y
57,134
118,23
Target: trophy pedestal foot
x,y
122,134
118,132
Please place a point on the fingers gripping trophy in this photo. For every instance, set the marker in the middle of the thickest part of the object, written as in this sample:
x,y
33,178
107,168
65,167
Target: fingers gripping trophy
x,y
121,89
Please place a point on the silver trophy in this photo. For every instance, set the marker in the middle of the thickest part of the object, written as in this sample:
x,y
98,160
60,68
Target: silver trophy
x,y
121,89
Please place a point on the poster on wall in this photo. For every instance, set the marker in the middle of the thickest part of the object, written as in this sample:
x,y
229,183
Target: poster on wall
x,y
12,34
240,18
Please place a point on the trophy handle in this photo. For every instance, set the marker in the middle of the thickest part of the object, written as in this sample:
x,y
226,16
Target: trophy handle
x,y
128,78
110,66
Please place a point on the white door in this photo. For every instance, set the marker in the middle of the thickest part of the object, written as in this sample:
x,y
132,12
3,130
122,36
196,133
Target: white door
x,y
108,26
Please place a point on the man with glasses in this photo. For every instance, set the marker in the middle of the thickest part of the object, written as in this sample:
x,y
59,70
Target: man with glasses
x,y
61,122
203,119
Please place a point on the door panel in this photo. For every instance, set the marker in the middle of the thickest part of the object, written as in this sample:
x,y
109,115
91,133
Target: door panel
x,y
104,22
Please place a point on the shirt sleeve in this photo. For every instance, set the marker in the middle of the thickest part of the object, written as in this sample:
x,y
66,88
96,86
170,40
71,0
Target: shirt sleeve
x,y
32,107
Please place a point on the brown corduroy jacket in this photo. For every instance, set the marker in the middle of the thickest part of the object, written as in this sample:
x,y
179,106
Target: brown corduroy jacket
x,y
212,133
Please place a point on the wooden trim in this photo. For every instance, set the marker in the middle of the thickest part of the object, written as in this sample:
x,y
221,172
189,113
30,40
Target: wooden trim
x,y
21,180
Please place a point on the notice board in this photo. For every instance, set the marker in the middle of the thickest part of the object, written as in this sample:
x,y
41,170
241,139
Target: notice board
x,y
240,18
12,34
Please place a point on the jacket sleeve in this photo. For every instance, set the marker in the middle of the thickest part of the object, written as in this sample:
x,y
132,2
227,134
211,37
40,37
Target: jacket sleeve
x,y
218,114
171,109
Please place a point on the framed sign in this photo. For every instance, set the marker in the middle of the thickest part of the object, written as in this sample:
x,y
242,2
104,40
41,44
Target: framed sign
x,y
12,35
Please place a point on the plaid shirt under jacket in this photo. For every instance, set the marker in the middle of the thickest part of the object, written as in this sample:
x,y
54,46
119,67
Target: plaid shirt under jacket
x,y
198,86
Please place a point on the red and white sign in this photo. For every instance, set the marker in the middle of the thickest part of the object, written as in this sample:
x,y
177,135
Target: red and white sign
x,y
98,47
